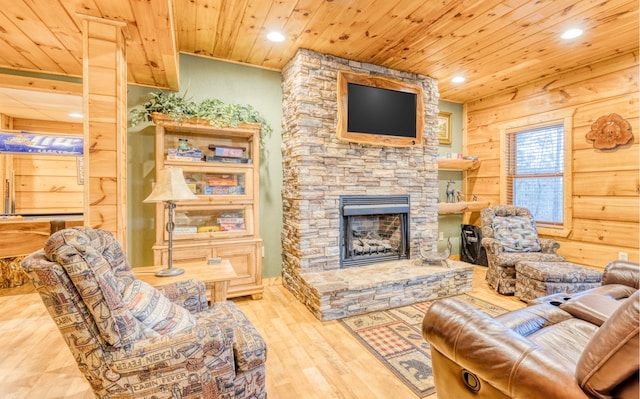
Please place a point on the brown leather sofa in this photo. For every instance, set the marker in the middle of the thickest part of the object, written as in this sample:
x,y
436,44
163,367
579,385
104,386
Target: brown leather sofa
x,y
579,346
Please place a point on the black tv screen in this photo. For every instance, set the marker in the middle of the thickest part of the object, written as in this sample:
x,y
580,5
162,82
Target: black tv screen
x,y
375,110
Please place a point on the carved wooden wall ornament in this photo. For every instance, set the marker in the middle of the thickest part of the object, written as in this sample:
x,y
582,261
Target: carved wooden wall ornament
x,y
610,131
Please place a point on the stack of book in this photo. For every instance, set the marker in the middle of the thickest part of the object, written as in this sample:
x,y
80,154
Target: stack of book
x,y
223,153
231,223
192,155
223,185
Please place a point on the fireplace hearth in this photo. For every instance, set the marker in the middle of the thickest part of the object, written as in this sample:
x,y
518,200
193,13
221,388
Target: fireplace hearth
x,y
373,229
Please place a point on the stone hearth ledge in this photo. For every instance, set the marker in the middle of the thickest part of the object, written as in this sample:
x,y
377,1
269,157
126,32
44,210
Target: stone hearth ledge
x,y
334,294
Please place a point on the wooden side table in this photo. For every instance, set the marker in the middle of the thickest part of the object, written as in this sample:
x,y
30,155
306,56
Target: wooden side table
x,y
216,277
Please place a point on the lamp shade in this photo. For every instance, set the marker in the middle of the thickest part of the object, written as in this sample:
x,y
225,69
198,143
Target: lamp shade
x,y
170,187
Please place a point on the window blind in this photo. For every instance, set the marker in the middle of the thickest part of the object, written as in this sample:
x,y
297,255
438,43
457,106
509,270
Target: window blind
x,y
535,170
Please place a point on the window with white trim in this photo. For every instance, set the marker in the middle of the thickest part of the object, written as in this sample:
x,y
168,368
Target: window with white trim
x,y
535,172
536,158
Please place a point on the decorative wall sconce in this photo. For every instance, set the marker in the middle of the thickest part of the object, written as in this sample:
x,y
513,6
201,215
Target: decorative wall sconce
x,y
610,131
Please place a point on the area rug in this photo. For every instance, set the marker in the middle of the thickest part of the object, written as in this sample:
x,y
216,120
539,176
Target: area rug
x,y
395,337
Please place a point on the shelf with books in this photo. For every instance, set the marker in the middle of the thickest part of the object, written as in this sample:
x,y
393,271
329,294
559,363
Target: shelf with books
x,y
221,166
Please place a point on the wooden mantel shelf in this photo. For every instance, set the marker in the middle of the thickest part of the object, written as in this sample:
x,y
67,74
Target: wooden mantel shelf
x,y
458,164
460,207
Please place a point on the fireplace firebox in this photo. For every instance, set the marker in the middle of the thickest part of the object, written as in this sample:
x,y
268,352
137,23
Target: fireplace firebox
x,y
373,228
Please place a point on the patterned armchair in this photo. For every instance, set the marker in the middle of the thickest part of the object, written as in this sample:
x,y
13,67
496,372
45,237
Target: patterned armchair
x,y
509,235
131,340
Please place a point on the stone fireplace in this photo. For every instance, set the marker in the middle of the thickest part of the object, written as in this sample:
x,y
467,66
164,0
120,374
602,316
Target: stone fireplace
x,y
320,171
373,229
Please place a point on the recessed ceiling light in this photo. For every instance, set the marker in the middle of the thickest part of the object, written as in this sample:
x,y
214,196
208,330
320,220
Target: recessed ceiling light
x,y
458,79
275,36
75,115
572,33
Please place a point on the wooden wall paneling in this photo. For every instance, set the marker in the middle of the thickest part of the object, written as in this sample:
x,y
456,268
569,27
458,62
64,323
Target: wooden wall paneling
x,y
622,209
608,184
6,162
53,203
121,122
105,190
482,134
555,82
67,184
595,255
45,126
483,185
104,140
623,234
104,84
46,184
22,237
45,165
605,201
619,84
104,217
488,168
621,158
484,151
625,105
101,164
40,85
6,122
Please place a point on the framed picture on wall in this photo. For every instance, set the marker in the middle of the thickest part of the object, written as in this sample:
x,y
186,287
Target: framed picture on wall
x,y
444,127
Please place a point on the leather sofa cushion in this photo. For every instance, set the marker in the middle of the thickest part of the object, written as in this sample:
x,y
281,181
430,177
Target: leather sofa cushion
x,y
593,308
566,340
621,272
611,357
528,320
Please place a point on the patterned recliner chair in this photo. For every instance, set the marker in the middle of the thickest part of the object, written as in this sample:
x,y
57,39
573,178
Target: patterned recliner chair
x,y
131,340
503,254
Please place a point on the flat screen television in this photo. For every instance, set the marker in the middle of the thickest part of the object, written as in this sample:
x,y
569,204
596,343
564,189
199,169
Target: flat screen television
x,y
378,110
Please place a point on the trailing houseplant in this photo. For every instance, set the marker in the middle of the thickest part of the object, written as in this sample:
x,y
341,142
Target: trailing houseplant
x,y
218,113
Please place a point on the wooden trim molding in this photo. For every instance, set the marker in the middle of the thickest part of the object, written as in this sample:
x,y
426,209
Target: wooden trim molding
x,y
564,116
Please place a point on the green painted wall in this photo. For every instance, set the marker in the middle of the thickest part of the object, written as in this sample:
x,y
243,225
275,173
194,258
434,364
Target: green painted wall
x,y
202,78
449,225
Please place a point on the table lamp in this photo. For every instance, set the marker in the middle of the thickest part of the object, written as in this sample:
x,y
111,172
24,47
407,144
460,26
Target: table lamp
x,y
169,188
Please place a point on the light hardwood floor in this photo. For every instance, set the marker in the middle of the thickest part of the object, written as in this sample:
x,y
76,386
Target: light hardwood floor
x,y
307,358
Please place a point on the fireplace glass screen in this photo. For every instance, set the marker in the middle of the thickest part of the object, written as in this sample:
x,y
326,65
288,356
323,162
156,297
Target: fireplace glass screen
x,y
373,229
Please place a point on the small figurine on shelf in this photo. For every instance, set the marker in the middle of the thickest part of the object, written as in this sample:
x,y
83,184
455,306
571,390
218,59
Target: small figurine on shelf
x,y
183,145
459,196
450,191
475,198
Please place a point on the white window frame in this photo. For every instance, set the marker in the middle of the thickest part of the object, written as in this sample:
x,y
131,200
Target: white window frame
x,y
560,117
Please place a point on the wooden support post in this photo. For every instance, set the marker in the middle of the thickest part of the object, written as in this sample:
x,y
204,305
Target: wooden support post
x,y
105,125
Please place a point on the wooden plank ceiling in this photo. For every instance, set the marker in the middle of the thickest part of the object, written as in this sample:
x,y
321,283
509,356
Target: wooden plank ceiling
x,y
496,45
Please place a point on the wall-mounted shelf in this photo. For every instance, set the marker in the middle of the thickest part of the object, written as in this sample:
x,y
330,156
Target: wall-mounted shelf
x,y
459,207
458,164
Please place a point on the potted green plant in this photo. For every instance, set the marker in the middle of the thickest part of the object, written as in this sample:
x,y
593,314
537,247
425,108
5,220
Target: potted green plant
x,y
218,113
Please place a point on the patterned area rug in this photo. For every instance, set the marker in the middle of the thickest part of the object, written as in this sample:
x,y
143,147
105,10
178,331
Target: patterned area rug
x,y
395,337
